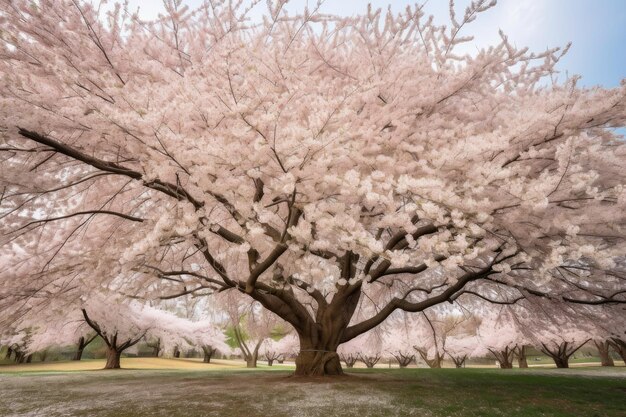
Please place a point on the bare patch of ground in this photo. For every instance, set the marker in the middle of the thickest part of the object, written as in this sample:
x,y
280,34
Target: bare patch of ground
x,y
147,393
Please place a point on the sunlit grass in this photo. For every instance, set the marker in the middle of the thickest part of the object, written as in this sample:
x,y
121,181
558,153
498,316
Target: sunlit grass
x,y
134,363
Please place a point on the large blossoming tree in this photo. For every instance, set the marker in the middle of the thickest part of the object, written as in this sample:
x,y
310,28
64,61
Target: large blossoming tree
x,y
320,165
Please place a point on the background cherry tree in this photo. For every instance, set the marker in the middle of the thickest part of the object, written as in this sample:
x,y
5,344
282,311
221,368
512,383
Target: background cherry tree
x,y
63,328
504,335
279,350
367,348
251,327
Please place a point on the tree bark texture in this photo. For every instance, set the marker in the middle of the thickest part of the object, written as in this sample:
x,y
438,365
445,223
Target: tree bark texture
x,y
504,357
604,349
520,352
113,358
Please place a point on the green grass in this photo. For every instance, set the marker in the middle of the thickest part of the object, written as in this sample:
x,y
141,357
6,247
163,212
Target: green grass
x,y
379,392
494,392
543,360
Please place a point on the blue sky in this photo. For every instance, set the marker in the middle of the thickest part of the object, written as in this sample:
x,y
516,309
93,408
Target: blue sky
x,y
597,28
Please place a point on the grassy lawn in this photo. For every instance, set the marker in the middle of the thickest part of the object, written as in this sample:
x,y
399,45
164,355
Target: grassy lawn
x,y
223,389
133,364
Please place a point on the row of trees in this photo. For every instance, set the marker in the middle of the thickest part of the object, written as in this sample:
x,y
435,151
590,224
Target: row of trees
x,y
452,332
120,325
503,333
337,171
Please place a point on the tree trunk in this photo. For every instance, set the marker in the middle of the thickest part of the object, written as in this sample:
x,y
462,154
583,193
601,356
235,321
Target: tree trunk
x,y
619,346
78,355
113,359
559,356
522,362
9,353
459,361
82,344
604,351
561,361
251,361
29,358
320,335
506,365
403,359
176,352
349,360
504,357
270,362
251,357
432,363
318,349
156,348
318,362
370,361
520,352
44,355
561,353
208,353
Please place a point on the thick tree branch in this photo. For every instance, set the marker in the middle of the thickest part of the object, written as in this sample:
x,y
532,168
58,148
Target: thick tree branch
x,y
402,304
172,190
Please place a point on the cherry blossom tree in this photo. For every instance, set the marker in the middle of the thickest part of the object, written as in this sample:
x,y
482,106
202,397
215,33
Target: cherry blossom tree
x,y
271,351
367,347
312,162
520,353
372,347
462,341
120,328
561,348
430,333
461,347
399,340
251,325
278,350
289,346
16,342
64,328
502,334
434,332
561,338
209,338
123,326
56,322
608,331
429,338
349,352
155,345
619,344
347,355
603,330
604,350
